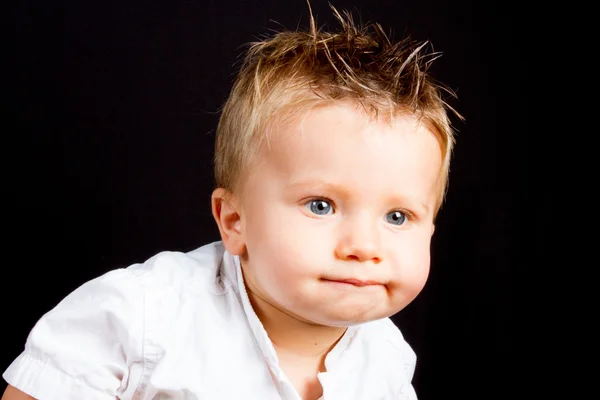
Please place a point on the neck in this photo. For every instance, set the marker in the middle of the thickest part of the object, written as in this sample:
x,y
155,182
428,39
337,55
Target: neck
x,y
293,337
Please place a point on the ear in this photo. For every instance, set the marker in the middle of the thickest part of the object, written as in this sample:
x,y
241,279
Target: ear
x,y
227,216
432,229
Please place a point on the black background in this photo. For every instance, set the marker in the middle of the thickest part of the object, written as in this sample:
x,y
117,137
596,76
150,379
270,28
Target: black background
x,y
107,158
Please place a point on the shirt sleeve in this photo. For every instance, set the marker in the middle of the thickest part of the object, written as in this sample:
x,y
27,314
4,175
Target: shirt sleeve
x,y
88,346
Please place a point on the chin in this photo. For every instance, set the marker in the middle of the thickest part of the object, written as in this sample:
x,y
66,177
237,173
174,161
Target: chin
x,y
347,319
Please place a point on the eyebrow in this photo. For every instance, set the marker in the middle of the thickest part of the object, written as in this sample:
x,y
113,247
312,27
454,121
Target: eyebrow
x,y
320,185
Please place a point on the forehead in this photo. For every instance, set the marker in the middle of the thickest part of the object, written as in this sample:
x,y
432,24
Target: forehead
x,y
345,132
342,144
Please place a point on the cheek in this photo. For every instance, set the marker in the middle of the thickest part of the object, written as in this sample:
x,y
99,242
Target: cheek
x,y
411,263
286,240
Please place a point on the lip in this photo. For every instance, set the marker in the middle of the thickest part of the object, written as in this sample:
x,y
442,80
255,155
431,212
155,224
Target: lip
x,y
354,282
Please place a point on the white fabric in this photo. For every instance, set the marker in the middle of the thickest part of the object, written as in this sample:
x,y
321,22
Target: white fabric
x,y
180,326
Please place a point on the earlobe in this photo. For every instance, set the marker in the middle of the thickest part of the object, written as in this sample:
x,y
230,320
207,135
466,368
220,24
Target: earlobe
x,y
227,217
432,229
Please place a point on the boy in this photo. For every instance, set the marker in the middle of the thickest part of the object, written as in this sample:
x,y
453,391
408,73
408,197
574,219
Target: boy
x,y
332,157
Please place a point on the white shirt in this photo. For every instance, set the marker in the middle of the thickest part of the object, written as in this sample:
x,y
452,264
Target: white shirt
x,y
180,326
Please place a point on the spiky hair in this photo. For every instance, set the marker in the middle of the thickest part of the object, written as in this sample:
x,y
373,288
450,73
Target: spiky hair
x,y
289,72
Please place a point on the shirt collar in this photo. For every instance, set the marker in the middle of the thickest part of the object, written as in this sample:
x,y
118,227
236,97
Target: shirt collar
x,y
234,270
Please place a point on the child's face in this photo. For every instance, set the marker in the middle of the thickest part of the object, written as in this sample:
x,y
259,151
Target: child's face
x,y
337,216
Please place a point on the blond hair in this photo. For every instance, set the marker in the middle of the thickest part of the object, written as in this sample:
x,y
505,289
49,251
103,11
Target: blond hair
x,y
291,71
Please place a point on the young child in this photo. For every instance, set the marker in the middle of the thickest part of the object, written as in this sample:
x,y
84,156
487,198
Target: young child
x,y
332,160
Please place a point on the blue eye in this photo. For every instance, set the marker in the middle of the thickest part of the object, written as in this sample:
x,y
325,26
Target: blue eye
x,y
396,218
320,207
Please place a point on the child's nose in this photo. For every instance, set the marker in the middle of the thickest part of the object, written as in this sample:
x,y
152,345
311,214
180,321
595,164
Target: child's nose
x,y
359,241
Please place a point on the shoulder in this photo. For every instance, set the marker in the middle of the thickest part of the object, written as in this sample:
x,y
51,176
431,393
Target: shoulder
x,y
129,295
181,272
164,274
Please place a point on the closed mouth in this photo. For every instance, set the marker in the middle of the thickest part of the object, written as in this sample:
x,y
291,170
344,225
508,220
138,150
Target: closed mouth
x,y
353,282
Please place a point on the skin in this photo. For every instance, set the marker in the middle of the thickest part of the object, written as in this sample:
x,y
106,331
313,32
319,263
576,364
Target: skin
x,y
12,393
333,227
